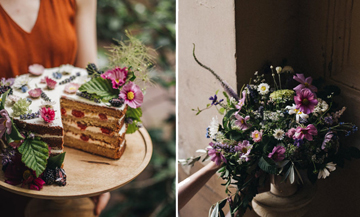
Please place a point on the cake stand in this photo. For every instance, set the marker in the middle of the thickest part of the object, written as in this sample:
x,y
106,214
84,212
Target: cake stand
x,y
87,175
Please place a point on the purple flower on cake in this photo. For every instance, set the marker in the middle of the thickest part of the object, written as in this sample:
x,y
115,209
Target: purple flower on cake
x,y
35,93
305,101
216,155
48,114
306,133
7,82
241,122
5,123
71,88
304,83
50,83
257,135
241,101
328,137
117,76
36,69
278,153
132,94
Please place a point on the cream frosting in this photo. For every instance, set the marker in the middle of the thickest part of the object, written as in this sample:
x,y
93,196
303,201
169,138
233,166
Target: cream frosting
x,y
97,142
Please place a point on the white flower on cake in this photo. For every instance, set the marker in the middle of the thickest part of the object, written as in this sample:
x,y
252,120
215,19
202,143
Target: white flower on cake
x,y
21,81
292,110
47,104
279,134
263,88
325,172
66,69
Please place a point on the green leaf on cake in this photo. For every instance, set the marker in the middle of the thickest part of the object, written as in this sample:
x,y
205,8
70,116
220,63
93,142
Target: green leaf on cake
x,y
15,134
3,100
34,155
101,88
135,115
132,128
56,161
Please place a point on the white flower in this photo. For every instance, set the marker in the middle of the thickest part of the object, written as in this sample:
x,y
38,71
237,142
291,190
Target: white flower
x,y
66,69
330,167
214,127
321,107
47,104
263,88
279,134
292,110
21,81
12,99
278,69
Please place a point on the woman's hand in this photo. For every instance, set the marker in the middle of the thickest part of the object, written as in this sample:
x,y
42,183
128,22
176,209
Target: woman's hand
x,y
100,202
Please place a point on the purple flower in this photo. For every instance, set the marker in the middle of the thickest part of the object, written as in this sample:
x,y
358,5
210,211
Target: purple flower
x,y
5,123
328,137
241,122
117,76
216,156
305,101
278,153
298,142
304,83
244,148
306,133
214,100
132,94
241,101
7,82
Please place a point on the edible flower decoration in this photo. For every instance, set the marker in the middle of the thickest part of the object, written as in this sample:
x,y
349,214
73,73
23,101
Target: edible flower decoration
x,y
117,76
132,94
50,83
21,83
71,88
5,123
35,93
48,114
36,69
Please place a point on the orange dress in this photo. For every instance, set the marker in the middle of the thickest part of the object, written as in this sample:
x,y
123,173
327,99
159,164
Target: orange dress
x,y
51,43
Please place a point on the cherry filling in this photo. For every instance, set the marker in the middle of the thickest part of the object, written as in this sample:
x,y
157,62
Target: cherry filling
x,y
102,116
105,130
84,137
81,126
63,111
77,113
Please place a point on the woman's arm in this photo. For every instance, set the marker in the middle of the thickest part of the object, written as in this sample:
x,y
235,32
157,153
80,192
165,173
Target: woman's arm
x,y
85,23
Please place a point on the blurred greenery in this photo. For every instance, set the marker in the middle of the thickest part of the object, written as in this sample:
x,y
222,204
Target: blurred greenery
x,y
153,22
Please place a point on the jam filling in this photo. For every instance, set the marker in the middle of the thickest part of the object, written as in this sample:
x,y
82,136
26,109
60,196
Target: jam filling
x,y
84,137
81,126
77,113
105,130
102,116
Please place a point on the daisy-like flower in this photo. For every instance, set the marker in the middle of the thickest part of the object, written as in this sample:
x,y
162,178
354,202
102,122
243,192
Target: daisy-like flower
x,y
244,148
299,114
47,104
5,123
21,81
321,107
257,135
132,94
214,127
278,153
241,101
36,69
66,69
35,93
50,83
304,83
48,114
117,76
241,122
325,172
305,101
279,134
306,133
263,88
71,88
216,156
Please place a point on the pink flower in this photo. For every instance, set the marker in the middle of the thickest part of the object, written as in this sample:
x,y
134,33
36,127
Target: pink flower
x,y
35,93
278,153
304,83
244,148
33,182
290,133
50,83
305,101
36,69
241,101
16,143
132,95
328,137
71,88
257,135
241,122
306,133
216,156
5,123
48,114
117,76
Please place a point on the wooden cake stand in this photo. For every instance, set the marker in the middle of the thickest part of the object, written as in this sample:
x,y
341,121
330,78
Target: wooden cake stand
x,y
87,175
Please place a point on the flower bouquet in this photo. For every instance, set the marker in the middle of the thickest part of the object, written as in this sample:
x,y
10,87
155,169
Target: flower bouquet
x,y
281,124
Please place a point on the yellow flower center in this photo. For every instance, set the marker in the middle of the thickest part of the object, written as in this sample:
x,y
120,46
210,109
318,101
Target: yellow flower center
x,y
117,80
72,88
256,135
263,88
130,95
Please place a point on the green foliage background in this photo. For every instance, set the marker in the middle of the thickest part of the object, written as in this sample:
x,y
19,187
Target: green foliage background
x,y
152,21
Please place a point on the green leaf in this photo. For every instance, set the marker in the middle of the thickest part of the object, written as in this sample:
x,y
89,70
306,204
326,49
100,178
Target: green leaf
x,y
132,128
3,100
56,161
267,165
34,155
100,87
134,114
15,134
222,110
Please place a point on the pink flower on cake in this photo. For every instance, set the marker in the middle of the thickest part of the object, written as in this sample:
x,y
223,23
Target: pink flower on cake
x,y
241,122
132,95
304,83
305,101
71,88
36,69
306,133
50,83
278,153
117,76
48,114
257,135
35,93
5,123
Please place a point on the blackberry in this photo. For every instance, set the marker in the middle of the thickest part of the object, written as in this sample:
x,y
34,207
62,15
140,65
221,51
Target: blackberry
x,y
129,120
3,89
100,72
60,176
49,176
91,68
44,96
116,102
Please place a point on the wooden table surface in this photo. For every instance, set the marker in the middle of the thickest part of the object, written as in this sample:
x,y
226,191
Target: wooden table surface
x,y
89,175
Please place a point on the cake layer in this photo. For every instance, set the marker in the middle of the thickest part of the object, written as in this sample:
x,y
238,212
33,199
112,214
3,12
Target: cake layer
x,y
114,125
39,128
53,142
94,148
